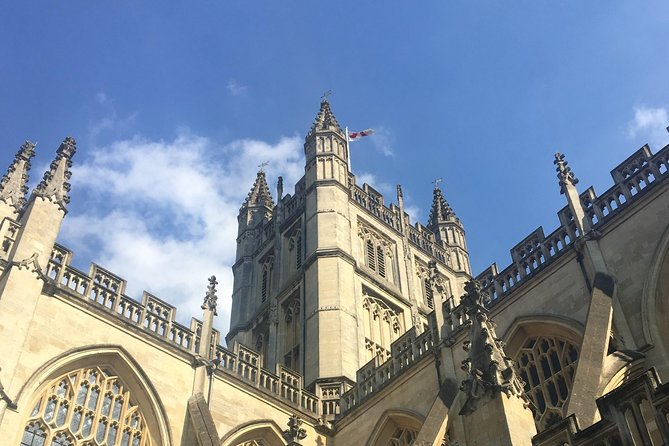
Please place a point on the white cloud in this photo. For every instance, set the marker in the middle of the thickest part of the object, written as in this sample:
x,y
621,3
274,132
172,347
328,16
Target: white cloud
x,y
382,140
168,218
236,89
386,189
650,124
109,121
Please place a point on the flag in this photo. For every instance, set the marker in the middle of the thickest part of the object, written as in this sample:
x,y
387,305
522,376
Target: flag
x,y
353,136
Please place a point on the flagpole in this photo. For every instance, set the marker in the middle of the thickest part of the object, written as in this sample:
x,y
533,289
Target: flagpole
x,y
348,151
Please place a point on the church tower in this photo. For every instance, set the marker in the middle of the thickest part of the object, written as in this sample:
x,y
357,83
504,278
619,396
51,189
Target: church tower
x,y
326,280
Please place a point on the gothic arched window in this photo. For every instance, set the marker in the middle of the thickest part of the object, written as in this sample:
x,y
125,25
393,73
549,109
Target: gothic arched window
x,y
383,326
266,278
403,437
547,365
87,406
429,294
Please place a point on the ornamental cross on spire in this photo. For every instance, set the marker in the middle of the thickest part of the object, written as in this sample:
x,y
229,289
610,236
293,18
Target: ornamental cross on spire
x,y
437,182
326,96
262,165
211,298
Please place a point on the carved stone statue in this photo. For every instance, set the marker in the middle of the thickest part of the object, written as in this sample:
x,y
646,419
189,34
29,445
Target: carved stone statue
x,y
488,368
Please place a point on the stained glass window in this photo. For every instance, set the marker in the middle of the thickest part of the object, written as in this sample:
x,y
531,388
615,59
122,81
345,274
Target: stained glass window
x,y
547,365
86,405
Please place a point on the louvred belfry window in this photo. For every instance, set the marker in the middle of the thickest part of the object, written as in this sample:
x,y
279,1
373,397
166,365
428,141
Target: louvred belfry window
x,y
89,406
547,365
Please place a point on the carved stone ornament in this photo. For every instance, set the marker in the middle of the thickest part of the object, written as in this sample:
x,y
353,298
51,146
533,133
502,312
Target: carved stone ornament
x,y
55,185
32,264
564,174
211,298
273,313
489,370
294,433
13,186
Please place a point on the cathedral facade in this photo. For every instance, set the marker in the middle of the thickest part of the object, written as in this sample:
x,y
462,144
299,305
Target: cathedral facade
x,y
350,325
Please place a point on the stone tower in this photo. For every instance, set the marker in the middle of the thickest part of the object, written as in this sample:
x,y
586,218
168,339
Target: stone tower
x,y
329,277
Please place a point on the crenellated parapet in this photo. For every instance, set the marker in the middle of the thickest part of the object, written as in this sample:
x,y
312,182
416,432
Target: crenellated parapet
x,y
638,174
406,351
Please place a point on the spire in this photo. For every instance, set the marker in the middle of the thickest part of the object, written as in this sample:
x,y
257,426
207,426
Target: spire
x,y
260,194
489,370
13,186
55,185
441,211
211,298
325,120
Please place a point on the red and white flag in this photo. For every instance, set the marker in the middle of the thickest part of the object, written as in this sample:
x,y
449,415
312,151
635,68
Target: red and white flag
x,y
353,136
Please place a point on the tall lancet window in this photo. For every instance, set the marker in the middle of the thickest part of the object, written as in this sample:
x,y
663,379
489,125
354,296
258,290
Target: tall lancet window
x,y
295,249
85,407
383,325
291,333
266,278
378,253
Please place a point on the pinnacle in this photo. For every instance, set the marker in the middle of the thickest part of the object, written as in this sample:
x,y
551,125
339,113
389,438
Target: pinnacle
x,y
260,194
564,173
325,119
13,186
55,185
441,211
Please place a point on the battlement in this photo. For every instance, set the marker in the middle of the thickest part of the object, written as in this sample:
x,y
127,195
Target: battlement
x,y
635,176
406,351
106,291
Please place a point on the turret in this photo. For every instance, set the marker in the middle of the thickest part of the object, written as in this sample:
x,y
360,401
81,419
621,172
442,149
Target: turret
x,y
258,206
13,186
257,210
449,230
325,149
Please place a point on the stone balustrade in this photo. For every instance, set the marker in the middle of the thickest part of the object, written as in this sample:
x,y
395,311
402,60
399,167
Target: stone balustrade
x,y
640,172
375,375
285,384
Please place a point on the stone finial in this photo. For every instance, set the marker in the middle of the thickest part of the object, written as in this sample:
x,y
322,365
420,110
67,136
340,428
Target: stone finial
x,y
13,186
260,194
440,211
55,185
211,298
294,433
325,119
488,368
279,188
564,174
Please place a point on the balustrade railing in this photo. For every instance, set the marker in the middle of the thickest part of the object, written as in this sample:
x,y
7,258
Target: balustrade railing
x,y
632,178
405,351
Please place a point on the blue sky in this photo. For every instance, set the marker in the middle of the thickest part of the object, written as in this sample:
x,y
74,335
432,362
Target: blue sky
x,y
174,104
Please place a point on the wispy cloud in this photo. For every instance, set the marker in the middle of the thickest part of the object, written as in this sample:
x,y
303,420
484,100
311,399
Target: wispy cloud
x,y
108,120
383,140
237,89
170,207
650,124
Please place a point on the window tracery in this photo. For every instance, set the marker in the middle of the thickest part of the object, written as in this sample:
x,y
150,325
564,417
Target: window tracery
x,y
547,365
295,247
291,333
377,251
403,437
266,277
383,325
89,406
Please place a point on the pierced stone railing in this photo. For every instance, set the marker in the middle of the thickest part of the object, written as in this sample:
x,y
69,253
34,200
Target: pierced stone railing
x,y
372,201
285,384
640,172
375,375
106,291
